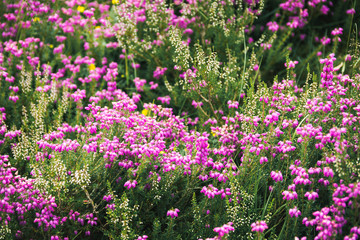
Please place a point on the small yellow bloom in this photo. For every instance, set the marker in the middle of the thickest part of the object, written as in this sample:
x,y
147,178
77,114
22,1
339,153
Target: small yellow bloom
x,y
122,75
162,152
92,67
36,19
115,2
81,9
145,112
97,27
51,46
213,133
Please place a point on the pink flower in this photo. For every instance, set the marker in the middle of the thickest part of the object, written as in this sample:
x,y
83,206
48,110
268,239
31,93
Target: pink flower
x,y
60,38
233,104
130,184
14,98
276,176
337,31
263,159
266,45
107,198
144,237
59,49
139,84
165,99
210,191
294,212
259,226
311,195
78,95
225,229
153,85
173,213
135,65
291,64
325,41
351,11
328,172
289,195
273,26
86,46
159,72
325,9
196,104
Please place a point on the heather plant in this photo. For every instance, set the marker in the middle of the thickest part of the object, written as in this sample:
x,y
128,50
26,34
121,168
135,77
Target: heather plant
x,y
215,53
179,119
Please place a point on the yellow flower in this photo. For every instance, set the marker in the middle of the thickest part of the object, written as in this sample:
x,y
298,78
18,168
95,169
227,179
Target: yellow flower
x,y
115,2
213,133
122,75
81,9
97,27
162,152
145,112
92,67
36,19
51,46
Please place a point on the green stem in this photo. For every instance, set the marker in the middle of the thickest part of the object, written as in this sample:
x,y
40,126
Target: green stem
x,y
126,69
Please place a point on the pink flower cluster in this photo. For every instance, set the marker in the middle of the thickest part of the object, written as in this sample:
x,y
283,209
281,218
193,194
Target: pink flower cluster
x,y
259,226
159,72
130,184
173,213
225,229
19,197
165,99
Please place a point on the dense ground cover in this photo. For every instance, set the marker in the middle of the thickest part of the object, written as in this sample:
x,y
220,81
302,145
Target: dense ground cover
x,y
179,119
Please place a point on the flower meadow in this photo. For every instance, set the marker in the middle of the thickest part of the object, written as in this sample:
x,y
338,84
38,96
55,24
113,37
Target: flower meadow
x,y
184,119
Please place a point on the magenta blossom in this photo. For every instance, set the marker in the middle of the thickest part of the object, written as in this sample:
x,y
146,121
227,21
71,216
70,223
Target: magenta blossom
x,y
351,11
144,237
173,213
273,26
294,212
276,176
259,226
130,184
225,229
291,64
